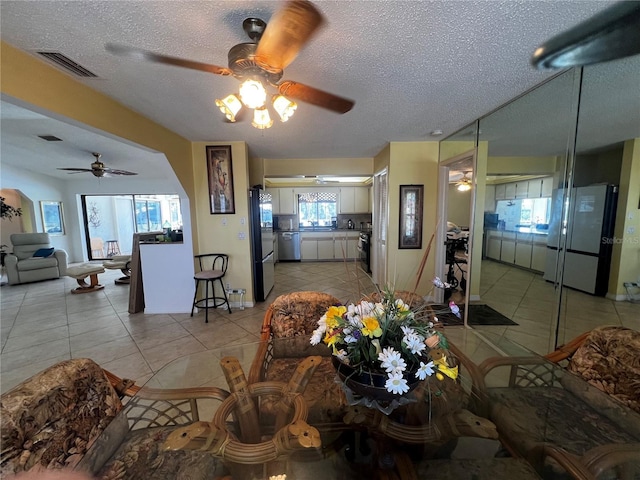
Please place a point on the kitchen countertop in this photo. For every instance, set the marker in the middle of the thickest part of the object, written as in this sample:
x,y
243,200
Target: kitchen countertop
x,y
318,229
533,231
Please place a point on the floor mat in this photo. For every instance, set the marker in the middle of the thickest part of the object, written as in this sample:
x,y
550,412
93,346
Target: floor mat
x,y
478,315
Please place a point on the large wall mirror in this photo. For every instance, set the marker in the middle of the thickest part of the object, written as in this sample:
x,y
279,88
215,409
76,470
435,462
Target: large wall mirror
x,y
555,205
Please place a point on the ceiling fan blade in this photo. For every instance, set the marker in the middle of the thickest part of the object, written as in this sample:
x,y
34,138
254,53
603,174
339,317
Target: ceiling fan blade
x,y
286,33
114,171
307,94
140,54
76,170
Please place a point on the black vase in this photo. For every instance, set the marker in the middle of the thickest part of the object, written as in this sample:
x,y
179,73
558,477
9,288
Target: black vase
x,y
370,384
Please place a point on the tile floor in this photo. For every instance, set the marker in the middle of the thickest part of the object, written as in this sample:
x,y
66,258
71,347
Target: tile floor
x,y
42,323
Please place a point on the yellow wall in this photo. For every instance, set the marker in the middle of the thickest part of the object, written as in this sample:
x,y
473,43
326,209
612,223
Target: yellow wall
x,y
412,163
521,165
625,263
382,159
452,148
318,166
219,233
30,80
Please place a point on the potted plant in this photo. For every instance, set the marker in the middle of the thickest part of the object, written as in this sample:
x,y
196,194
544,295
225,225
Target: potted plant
x,y
7,211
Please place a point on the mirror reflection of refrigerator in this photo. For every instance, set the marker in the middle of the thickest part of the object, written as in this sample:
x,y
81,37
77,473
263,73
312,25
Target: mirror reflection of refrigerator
x,y
261,233
589,241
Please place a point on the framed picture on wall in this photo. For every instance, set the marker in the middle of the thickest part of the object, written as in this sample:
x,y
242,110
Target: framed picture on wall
x,y
220,177
411,216
52,217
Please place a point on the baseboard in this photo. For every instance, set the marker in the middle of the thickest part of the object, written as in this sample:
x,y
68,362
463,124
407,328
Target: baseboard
x,y
474,298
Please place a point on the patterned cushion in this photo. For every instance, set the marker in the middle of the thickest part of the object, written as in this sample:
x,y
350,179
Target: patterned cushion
x,y
609,359
140,457
323,395
530,415
51,419
295,317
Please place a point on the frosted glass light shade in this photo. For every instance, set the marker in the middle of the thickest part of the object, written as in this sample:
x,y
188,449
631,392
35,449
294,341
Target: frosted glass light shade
x,y
464,186
284,107
261,118
252,93
230,106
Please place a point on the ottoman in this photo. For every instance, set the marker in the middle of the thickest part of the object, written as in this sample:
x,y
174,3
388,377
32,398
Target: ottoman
x,y
122,263
81,272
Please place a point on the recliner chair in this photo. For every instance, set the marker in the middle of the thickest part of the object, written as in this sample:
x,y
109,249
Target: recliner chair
x,y
23,267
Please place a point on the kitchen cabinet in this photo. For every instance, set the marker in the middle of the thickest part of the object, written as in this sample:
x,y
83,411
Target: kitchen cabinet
x,y
538,256
547,187
316,246
288,201
523,250
308,248
510,191
522,189
354,200
325,248
494,244
501,191
535,187
275,199
508,247
345,245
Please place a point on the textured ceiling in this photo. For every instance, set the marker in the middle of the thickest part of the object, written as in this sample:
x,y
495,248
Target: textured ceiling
x,y
411,66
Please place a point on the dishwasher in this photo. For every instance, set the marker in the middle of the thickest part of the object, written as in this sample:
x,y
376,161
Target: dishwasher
x,y
289,246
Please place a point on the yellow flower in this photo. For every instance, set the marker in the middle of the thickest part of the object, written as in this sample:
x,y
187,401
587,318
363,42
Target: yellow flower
x,y
371,327
333,315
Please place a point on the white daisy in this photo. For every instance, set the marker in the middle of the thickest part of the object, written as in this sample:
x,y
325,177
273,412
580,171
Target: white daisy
x,y
342,356
317,335
386,352
425,370
414,343
393,362
396,383
408,331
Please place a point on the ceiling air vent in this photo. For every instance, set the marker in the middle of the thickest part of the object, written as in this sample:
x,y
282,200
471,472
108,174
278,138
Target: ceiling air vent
x,y
66,63
50,138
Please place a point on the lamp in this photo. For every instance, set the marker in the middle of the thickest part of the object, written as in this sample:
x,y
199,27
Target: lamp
x,y
464,185
230,106
261,118
252,94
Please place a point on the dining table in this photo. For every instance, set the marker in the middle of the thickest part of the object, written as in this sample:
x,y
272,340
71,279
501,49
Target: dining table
x,y
433,431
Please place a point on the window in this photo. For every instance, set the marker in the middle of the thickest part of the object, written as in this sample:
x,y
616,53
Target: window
x,y
317,209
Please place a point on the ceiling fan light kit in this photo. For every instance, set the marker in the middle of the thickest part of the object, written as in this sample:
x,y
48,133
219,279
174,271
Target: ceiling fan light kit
x,y
260,64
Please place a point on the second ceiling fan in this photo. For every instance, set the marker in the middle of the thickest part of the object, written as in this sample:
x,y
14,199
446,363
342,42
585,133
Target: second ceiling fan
x,y
272,48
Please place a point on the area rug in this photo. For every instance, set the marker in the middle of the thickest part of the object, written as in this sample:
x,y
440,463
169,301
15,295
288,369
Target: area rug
x,y
479,314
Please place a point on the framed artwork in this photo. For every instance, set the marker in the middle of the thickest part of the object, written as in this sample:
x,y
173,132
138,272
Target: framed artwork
x,y
411,216
52,217
220,176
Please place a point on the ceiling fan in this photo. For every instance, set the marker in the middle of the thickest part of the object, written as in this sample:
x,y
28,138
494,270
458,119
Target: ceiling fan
x,y
464,184
272,48
98,169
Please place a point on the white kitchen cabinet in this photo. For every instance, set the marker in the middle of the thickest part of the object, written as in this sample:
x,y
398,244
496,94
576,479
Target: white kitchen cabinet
x,y
538,257
508,247
308,248
501,192
345,245
288,201
494,241
325,248
535,187
354,200
522,189
547,187
523,250
275,199
510,191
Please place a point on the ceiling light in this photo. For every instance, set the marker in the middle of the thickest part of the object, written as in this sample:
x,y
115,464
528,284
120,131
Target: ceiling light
x,y
261,118
252,93
464,185
284,107
230,106
436,133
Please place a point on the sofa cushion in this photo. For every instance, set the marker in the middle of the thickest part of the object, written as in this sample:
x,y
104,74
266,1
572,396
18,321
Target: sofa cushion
x,y
44,252
36,263
609,359
141,457
51,419
324,397
530,415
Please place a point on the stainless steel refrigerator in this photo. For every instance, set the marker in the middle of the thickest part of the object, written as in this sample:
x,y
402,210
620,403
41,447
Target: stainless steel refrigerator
x,y
589,243
262,240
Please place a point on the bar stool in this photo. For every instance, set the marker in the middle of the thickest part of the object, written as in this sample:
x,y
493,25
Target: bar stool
x,y
218,268
113,248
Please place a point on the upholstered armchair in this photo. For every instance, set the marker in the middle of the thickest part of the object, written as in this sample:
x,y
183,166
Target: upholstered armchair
x,y
71,416
33,259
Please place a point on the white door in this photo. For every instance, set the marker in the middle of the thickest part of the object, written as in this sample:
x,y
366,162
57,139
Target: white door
x,y
379,235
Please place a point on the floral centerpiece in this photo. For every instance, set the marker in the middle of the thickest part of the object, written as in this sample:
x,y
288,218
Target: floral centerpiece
x,y
387,338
